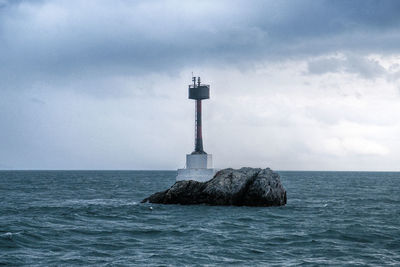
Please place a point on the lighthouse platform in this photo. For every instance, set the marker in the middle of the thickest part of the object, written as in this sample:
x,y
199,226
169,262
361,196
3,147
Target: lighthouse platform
x,y
198,168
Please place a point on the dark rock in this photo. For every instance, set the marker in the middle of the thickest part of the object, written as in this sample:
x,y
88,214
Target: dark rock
x,y
243,187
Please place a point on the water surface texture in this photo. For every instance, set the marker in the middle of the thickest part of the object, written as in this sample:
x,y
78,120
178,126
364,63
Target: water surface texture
x,y
95,218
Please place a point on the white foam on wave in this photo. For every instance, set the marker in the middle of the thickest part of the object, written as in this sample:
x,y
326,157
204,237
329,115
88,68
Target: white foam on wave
x,y
7,235
95,202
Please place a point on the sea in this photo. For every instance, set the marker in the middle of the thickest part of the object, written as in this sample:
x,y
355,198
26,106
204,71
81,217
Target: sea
x,y
95,218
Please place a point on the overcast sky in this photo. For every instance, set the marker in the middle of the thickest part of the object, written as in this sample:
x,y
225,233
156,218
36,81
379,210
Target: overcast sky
x,y
295,85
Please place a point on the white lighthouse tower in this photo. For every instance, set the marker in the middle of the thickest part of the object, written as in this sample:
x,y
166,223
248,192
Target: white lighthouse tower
x,y
198,164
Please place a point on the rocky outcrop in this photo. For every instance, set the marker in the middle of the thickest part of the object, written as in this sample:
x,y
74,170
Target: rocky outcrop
x,y
243,187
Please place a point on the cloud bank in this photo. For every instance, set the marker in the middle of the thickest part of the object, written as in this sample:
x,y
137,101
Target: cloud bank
x,y
59,38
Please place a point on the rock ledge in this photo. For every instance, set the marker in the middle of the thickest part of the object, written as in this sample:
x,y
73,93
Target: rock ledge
x,y
242,187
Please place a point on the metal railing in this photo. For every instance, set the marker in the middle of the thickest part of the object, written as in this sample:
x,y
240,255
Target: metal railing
x,y
205,85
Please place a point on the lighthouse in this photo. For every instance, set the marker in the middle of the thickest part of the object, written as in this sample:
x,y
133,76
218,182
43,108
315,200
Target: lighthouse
x,y
198,164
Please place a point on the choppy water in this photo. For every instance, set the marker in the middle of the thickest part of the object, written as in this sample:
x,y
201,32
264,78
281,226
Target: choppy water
x,y
94,218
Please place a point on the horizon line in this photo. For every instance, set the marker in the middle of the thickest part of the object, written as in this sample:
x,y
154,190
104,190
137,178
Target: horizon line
x,y
4,170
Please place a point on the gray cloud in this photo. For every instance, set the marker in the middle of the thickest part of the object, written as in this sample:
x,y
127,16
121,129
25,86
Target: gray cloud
x,y
366,68
325,65
72,39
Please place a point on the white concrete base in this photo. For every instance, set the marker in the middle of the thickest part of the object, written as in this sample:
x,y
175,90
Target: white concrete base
x,y
200,175
198,168
199,161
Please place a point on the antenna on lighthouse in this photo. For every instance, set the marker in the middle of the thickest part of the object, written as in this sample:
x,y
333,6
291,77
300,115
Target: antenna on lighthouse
x,y
193,80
